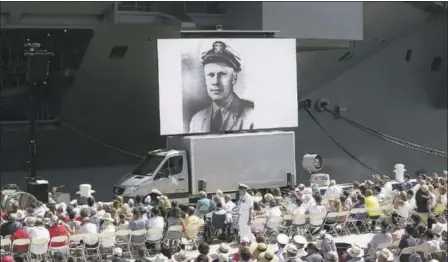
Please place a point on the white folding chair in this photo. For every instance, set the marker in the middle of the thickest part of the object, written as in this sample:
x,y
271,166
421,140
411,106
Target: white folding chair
x,y
62,242
5,247
299,224
76,249
370,220
92,245
137,242
122,240
173,237
107,243
39,248
331,221
154,237
191,233
21,252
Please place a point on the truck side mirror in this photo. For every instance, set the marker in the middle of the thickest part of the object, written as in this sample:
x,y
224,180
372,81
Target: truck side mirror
x,y
167,172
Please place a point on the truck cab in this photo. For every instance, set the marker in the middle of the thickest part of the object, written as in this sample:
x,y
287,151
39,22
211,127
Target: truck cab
x,y
165,170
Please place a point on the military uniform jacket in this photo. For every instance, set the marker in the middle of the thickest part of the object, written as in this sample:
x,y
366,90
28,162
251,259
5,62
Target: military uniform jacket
x,y
238,116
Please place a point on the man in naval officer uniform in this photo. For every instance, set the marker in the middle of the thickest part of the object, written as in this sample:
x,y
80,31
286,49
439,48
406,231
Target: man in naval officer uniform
x,y
245,209
227,111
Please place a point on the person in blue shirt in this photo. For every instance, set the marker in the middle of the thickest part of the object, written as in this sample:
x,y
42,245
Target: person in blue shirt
x,y
204,205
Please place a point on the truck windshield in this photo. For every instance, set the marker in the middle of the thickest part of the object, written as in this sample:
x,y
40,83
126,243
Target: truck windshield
x,y
148,165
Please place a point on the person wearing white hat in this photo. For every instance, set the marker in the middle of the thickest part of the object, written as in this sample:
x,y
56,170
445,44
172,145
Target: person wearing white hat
x,y
38,231
282,241
300,242
437,229
20,216
356,253
291,254
181,256
39,211
384,255
107,226
245,208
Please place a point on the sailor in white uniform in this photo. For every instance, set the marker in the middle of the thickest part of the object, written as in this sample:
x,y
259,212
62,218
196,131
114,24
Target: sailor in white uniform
x,y
245,209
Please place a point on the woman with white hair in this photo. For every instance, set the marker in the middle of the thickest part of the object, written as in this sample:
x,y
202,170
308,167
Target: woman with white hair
x,y
204,205
220,195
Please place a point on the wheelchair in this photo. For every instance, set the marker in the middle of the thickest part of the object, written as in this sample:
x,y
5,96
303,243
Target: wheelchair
x,y
216,228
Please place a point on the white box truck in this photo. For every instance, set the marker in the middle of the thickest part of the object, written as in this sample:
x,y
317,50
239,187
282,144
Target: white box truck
x,y
261,160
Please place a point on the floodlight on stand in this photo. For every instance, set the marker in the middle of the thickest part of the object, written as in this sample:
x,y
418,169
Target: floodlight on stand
x,y
313,163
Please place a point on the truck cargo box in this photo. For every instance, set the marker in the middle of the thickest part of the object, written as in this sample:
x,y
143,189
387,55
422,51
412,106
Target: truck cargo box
x,y
260,160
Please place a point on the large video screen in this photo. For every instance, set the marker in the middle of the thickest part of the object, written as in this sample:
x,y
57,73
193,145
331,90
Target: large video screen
x,y
216,85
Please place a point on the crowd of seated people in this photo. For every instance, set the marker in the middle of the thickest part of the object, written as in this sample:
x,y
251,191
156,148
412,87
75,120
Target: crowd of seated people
x,y
410,217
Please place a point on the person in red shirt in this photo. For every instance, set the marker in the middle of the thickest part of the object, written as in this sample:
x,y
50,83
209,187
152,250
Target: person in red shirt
x,y
57,229
20,233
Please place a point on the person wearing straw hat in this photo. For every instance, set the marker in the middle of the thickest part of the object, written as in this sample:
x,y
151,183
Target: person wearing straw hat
x,y
223,253
181,256
332,256
38,231
384,255
356,253
268,256
261,247
107,225
291,254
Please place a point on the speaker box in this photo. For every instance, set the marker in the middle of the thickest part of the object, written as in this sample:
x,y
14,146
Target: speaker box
x,y
39,189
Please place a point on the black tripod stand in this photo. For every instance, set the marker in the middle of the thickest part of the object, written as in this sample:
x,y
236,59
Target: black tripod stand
x,y
38,62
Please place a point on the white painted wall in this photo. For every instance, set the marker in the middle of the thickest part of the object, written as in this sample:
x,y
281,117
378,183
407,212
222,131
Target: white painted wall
x,y
387,94
319,20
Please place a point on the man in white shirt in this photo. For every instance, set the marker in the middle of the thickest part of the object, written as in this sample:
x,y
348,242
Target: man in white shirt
x,y
38,231
39,211
156,221
299,210
87,227
317,211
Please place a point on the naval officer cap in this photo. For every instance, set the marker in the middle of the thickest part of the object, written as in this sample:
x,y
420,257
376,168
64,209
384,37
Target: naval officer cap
x,y
218,51
243,186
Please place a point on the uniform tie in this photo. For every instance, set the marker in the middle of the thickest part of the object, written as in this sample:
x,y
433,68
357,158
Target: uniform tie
x,y
216,122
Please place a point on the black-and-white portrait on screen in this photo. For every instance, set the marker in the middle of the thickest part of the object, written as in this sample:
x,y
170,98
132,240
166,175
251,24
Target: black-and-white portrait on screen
x,y
213,89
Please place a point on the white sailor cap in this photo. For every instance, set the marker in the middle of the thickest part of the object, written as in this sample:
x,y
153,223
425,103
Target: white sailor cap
x,y
282,239
243,186
300,240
